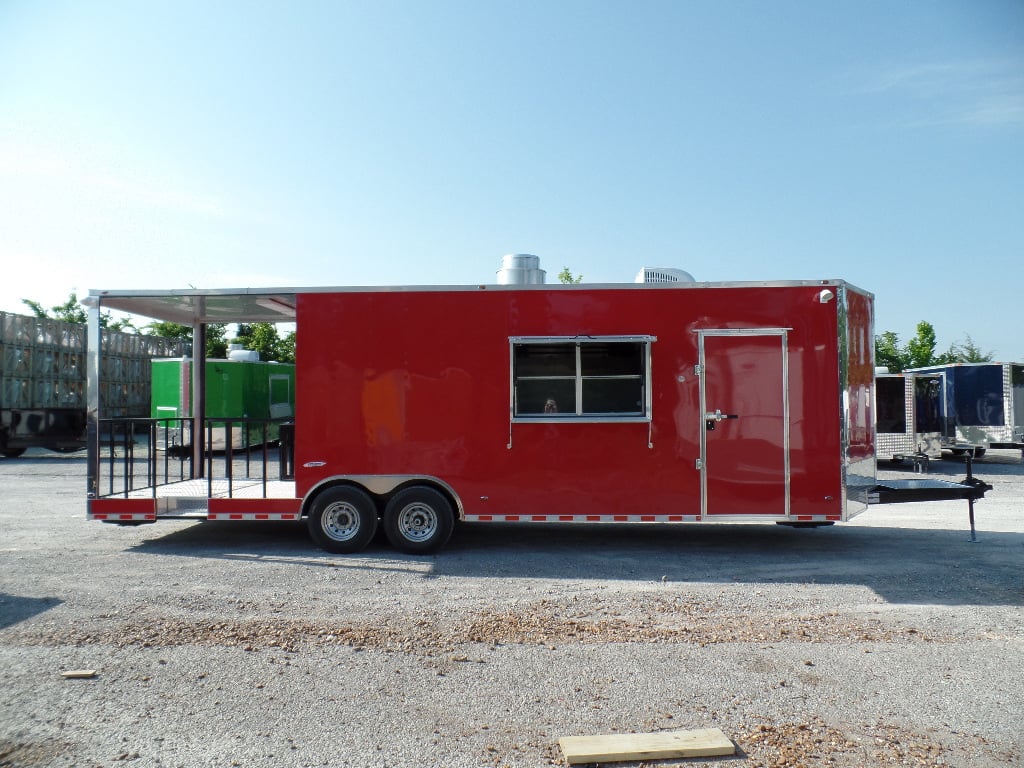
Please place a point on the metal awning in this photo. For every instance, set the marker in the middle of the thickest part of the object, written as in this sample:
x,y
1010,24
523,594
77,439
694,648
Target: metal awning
x,y
192,306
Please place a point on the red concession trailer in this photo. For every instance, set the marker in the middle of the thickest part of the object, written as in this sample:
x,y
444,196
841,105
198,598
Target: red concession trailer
x,y
417,407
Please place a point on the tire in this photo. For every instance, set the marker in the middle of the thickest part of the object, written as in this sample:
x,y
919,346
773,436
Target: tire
x,y
13,453
418,519
342,520
821,524
958,451
979,452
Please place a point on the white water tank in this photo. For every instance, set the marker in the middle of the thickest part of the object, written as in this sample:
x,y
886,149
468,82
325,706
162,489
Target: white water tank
x,y
663,275
248,355
520,269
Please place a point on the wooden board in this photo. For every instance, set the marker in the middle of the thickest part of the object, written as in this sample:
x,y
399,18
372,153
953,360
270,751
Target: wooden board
x,y
79,674
708,742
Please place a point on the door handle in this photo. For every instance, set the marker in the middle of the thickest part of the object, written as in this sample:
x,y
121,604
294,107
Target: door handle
x,y
710,419
719,416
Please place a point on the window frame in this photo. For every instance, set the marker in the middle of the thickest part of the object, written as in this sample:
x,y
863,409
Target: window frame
x,y
579,378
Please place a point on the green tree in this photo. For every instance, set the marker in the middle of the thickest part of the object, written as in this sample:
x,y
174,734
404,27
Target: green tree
x,y
919,352
216,343
889,353
36,307
72,311
288,348
169,330
216,340
921,349
565,276
969,352
265,339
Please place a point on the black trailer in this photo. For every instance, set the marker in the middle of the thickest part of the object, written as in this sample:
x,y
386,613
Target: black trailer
x,y
983,404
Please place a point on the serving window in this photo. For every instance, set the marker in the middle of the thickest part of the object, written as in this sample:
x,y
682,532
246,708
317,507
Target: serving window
x,y
592,378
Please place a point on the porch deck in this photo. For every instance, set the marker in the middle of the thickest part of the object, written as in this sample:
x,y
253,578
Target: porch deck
x,y
220,488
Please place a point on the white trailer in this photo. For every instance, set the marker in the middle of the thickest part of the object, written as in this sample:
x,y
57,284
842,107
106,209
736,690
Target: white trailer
x,y
908,417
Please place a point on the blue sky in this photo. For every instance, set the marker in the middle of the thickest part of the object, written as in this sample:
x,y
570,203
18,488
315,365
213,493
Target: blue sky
x,y
161,145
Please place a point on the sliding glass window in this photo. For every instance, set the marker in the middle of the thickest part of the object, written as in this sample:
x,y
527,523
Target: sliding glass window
x,y
592,377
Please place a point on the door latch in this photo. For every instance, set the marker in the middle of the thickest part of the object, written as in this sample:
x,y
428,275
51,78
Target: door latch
x,y
710,419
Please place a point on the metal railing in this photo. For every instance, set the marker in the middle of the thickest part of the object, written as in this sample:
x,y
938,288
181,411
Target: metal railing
x,y
138,454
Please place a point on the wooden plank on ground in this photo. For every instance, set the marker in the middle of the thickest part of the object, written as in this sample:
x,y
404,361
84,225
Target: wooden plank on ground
x,y
707,742
79,674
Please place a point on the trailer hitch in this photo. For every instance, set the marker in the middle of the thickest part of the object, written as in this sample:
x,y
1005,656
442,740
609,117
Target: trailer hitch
x,y
897,491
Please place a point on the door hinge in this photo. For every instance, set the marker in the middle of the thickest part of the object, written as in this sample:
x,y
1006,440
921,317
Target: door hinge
x,y
698,464
698,369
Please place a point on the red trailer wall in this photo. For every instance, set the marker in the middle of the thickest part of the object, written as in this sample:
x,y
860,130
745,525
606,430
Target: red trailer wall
x,y
418,382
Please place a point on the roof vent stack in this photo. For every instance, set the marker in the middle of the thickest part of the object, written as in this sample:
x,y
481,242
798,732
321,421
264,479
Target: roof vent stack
x,y
520,269
663,275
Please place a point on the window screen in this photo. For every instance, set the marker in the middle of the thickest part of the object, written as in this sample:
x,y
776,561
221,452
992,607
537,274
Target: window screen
x,y
573,378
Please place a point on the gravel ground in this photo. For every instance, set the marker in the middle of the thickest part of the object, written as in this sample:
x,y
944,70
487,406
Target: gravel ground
x,y
887,641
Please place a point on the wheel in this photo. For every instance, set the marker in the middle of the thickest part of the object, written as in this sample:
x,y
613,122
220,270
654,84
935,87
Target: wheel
x,y
820,524
13,453
342,519
958,451
979,452
418,519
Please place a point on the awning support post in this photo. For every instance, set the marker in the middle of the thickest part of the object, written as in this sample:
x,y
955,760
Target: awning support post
x,y
198,399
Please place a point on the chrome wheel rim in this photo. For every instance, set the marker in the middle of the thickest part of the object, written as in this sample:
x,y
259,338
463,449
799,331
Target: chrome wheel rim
x,y
417,522
341,521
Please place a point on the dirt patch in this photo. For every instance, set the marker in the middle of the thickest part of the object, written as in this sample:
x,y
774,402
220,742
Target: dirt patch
x,y
544,622
815,743
19,754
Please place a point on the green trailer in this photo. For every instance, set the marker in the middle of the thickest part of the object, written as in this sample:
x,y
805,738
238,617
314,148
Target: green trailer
x,y
259,392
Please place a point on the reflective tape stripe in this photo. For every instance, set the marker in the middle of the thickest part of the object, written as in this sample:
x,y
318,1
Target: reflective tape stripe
x,y
252,516
558,518
119,509
108,517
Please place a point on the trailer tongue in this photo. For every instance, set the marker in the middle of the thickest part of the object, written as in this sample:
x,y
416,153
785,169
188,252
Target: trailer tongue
x,y
908,490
